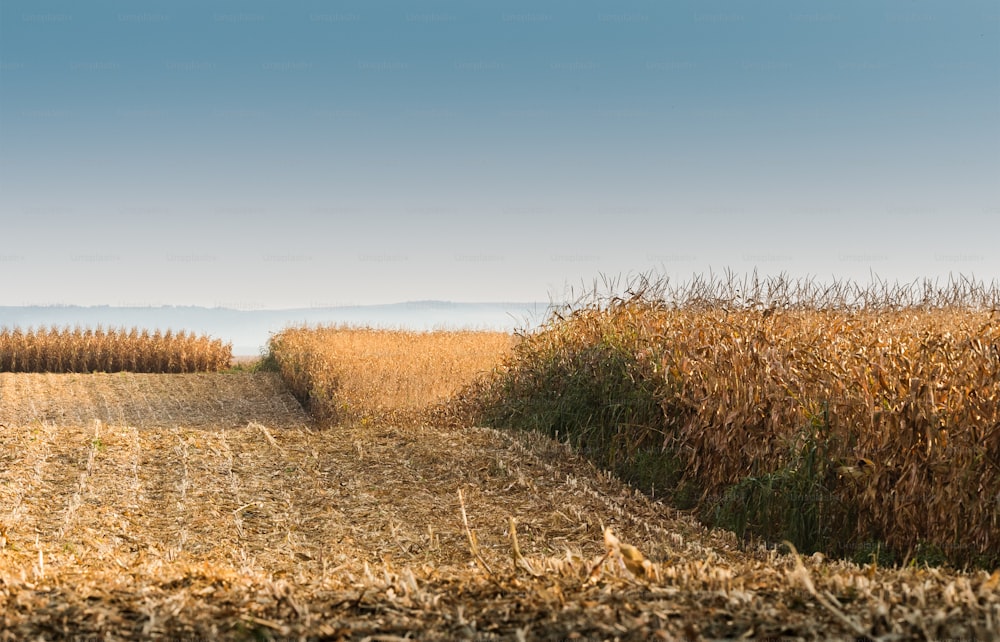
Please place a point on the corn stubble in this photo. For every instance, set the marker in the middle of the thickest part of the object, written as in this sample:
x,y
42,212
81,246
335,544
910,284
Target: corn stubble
x,y
867,415
78,350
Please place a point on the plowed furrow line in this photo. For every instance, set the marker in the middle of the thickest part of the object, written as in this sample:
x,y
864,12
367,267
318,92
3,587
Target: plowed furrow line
x,y
100,402
51,490
161,492
288,514
104,517
23,453
209,502
316,491
22,403
13,398
263,477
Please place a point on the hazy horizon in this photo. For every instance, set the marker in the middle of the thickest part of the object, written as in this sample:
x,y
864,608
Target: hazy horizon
x,y
249,330
303,154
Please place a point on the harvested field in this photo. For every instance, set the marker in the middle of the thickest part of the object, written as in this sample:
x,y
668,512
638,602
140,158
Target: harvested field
x,y
147,400
125,519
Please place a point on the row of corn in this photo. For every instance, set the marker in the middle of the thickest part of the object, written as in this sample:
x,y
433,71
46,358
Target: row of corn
x,y
77,349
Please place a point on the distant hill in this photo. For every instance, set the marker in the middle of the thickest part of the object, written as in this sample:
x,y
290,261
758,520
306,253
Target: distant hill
x,y
249,330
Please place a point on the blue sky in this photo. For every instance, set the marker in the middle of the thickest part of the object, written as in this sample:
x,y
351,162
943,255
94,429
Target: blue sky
x,y
284,154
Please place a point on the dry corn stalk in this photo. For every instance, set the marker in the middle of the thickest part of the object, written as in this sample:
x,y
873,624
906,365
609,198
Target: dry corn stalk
x,y
627,555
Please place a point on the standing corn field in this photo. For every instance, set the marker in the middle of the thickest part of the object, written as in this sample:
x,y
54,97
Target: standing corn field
x,y
840,418
78,349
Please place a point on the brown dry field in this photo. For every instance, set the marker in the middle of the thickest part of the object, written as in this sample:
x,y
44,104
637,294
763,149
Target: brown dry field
x,y
212,507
